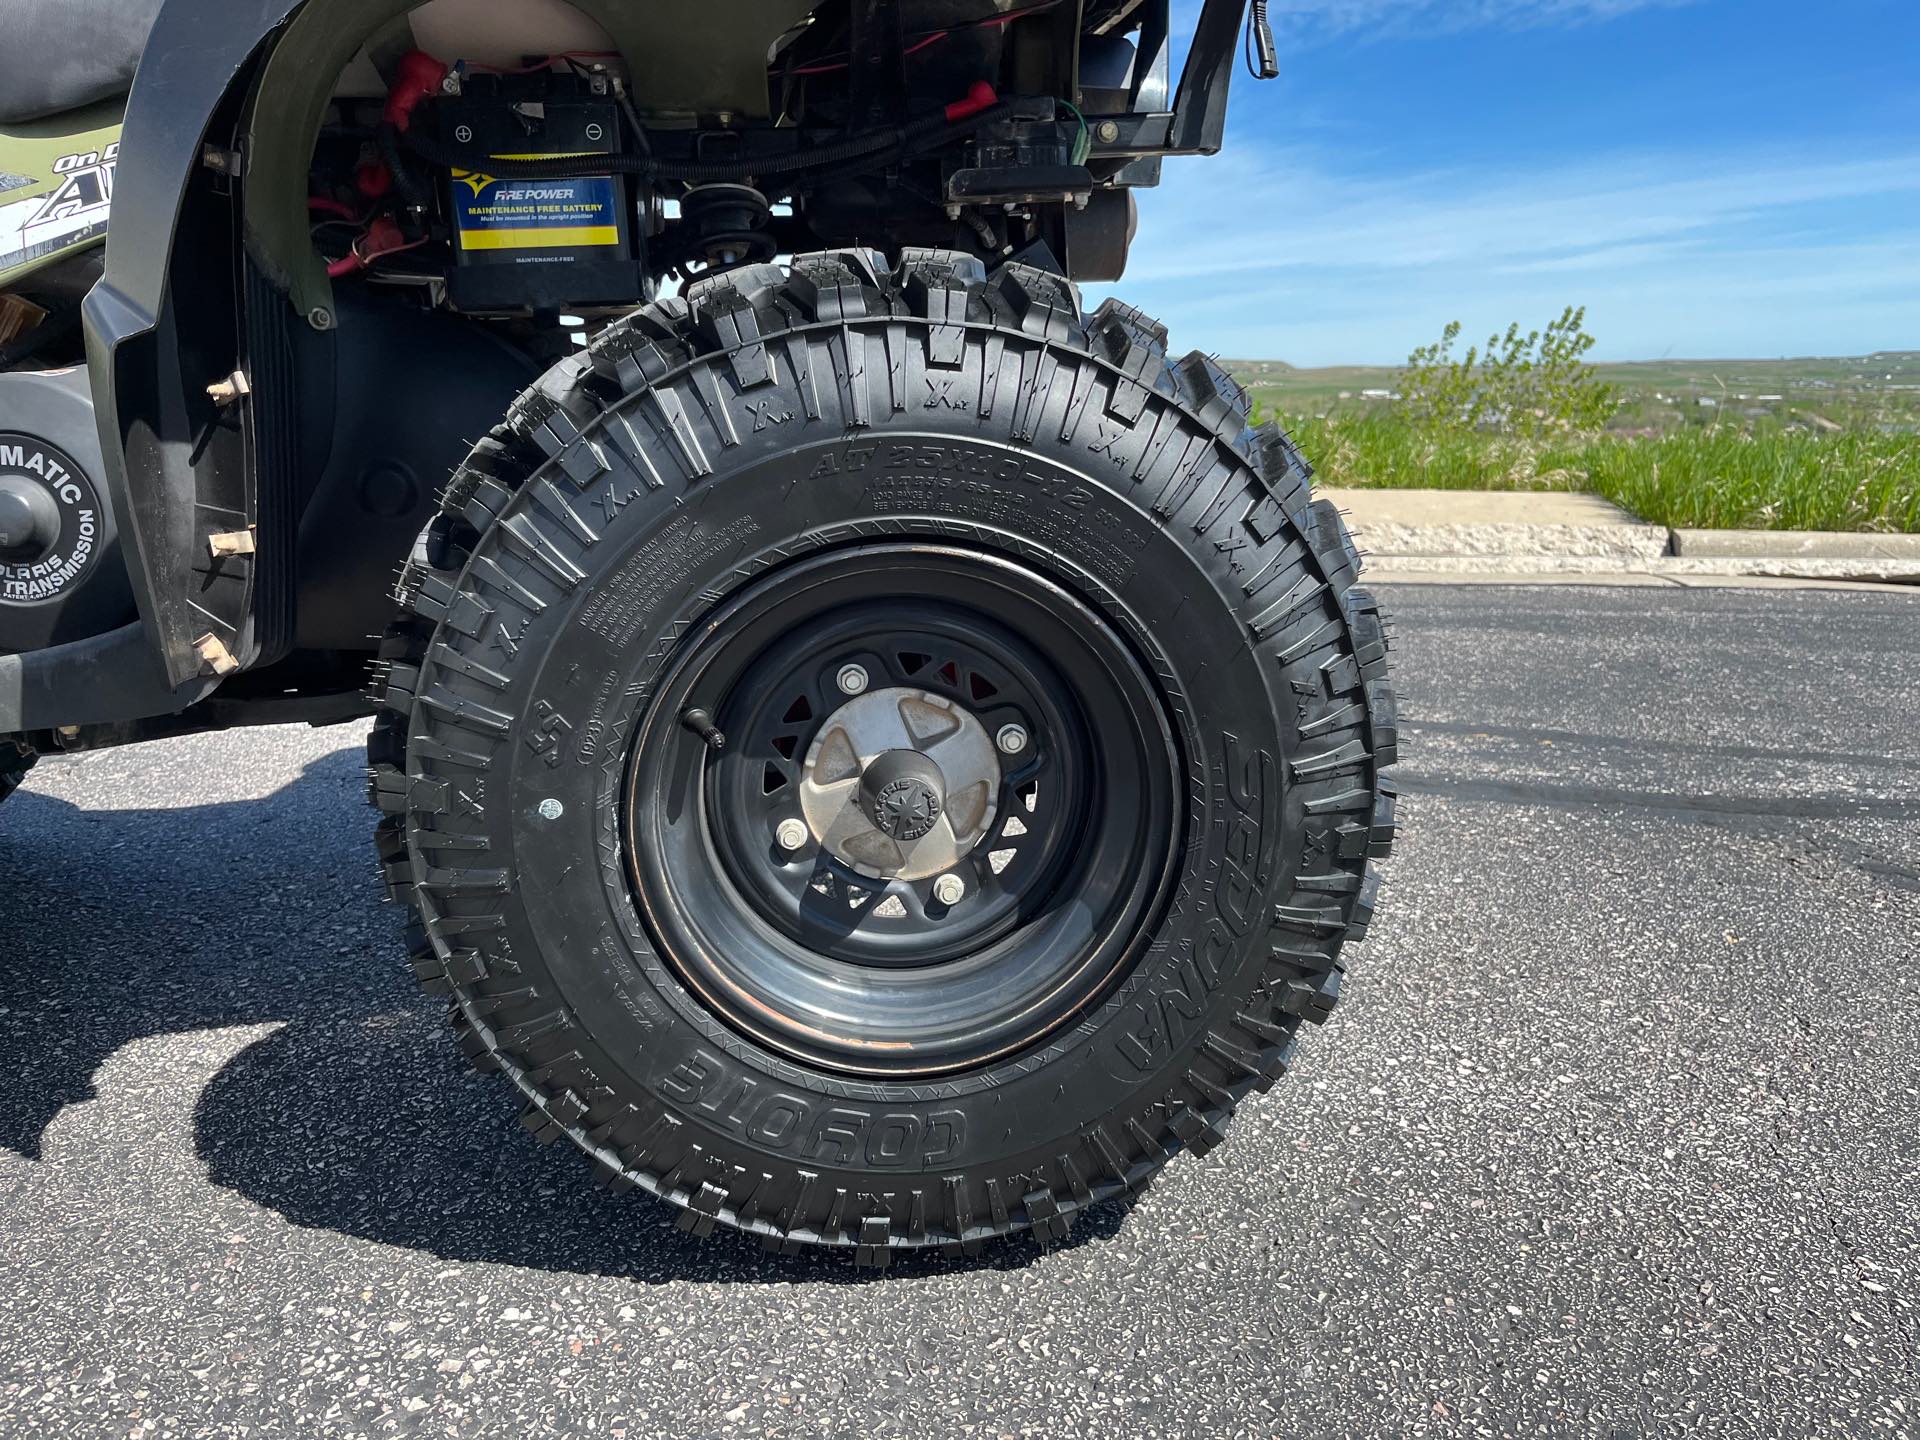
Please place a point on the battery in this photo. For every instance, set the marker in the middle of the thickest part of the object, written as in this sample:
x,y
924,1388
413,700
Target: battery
x,y
541,244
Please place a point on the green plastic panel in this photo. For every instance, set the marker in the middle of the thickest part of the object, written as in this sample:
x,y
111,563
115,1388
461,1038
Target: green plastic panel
x,y
56,186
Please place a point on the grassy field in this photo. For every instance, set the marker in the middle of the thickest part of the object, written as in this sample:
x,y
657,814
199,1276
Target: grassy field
x,y
1791,445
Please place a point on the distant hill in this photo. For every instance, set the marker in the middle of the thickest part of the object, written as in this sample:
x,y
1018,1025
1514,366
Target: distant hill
x,y
1884,385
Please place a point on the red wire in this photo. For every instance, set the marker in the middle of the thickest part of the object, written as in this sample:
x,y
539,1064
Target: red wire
x,y
356,261
321,205
992,20
914,48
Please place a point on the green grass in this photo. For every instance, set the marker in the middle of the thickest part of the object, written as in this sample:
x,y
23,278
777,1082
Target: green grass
x,y
1717,477
1860,392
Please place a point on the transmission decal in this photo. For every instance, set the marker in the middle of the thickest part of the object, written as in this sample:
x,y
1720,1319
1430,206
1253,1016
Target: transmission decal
x,y
43,578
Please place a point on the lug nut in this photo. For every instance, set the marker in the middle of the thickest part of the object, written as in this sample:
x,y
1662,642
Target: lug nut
x,y
792,834
1012,739
949,889
852,680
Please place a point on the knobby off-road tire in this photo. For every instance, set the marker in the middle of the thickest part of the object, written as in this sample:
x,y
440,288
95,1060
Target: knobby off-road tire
x,y
788,436
15,760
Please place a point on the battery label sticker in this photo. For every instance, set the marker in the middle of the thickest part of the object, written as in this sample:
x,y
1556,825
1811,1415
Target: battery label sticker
x,y
495,214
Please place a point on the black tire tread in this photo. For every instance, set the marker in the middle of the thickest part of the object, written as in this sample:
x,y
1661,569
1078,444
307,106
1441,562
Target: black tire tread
x,y
557,427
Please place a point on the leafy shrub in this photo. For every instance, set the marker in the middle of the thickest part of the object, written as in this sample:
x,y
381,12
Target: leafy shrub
x,y
1532,385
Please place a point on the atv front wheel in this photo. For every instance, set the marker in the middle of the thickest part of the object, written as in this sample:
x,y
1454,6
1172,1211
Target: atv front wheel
x,y
884,760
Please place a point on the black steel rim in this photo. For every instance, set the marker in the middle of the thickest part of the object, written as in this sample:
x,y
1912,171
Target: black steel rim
x,y
876,973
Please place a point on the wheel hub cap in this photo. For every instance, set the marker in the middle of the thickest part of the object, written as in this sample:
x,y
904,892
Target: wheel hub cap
x,y
900,783
904,793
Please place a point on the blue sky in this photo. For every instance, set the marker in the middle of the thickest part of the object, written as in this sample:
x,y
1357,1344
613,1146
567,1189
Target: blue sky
x,y
1709,177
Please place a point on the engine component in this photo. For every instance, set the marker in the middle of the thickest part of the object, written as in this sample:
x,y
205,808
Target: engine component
x,y
547,242
60,571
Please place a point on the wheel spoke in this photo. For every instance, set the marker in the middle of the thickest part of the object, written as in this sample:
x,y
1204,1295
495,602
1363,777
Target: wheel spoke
x,y
837,759
927,723
967,810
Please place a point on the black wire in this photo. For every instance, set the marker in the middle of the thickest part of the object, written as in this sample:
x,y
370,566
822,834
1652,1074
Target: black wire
x,y
1257,23
1003,17
876,147
621,98
415,200
786,188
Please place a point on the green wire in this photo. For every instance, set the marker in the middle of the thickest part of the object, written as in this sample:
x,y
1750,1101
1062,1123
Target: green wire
x,y
1083,142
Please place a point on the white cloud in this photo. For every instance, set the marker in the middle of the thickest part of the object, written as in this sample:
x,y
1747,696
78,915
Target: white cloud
x,y
1199,222
1319,19
1272,255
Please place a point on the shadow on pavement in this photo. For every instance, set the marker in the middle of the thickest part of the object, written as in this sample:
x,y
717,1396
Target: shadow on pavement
x,y
357,1115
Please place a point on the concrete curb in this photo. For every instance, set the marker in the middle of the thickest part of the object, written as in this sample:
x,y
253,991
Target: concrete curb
x,y
1518,534
1611,579
1794,544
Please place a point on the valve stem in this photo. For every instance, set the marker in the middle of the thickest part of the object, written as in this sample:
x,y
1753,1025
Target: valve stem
x,y
701,724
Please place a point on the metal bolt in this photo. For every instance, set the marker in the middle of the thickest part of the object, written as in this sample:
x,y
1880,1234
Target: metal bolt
x,y
320,318
852,680
1012,739
792,834
1108,132
949,889
551,809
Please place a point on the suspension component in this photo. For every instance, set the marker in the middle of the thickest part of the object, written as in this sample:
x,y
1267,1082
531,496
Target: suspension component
x,y
729,223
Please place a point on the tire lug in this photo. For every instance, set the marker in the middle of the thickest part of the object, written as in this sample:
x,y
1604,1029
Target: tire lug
x,y
1012,739
852,679
792,834
949,889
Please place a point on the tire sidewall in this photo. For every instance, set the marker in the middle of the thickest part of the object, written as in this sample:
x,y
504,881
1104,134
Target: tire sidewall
x,y
581,673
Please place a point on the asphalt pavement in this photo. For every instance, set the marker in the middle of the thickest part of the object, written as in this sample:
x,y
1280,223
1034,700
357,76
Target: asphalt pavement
x,y
1613,1133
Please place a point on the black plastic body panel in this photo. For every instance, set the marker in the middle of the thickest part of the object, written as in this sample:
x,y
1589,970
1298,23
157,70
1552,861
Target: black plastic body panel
x,y
403,393
144,400
101,679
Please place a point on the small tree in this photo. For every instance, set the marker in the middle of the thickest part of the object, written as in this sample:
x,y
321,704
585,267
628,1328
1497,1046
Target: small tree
x,y
1533,384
